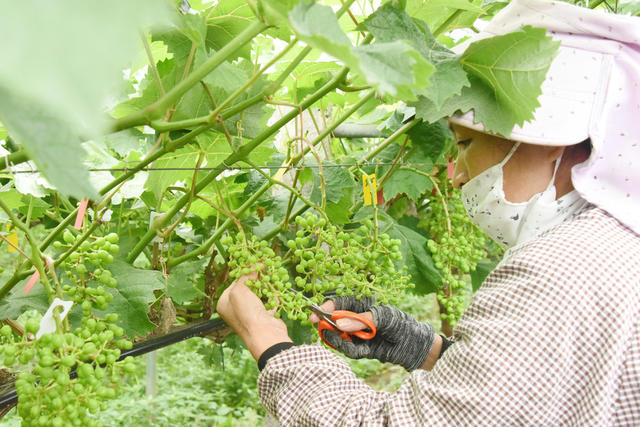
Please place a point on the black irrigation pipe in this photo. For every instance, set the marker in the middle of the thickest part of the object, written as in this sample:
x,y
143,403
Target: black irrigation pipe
x,y
9,399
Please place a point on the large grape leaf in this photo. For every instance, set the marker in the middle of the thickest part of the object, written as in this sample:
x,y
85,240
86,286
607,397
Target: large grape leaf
x,y
50,141
428,143
390,23
406,182
394,68
226,20
417,258
16,302
506,73
340,212
483,268
133,295
431,141
455,13
62,63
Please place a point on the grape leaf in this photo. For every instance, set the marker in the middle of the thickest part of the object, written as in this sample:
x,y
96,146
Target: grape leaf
x,y
406,182
226,20
483,268
431,141
16,302
455,14
126,141
12,198
64,62
336,179
394,68
390,23
183,281
213,146
340,212
51,143
506,73
133,295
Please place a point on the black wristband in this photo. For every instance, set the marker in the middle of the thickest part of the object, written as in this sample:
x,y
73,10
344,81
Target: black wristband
x,y
272,351
445,345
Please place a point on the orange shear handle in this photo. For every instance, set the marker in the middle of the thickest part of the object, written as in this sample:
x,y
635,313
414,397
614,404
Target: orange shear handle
x,y
342,314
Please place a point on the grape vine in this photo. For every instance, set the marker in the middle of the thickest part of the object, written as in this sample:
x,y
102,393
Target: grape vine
x,y
456,245
69,374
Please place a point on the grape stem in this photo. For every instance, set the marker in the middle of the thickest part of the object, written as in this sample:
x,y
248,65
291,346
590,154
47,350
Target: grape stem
x,y
288,187
394,163
36,255
241,155
143,116
17,248
13,159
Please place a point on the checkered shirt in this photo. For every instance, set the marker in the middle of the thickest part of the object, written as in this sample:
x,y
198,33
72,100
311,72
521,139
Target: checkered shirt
x,y
550,339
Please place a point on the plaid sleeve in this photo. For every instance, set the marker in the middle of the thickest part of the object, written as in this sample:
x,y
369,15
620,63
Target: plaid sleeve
x,y
551,338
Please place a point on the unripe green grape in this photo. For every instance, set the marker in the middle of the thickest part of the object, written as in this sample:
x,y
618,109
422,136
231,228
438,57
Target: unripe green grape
x,y
32,326
68,237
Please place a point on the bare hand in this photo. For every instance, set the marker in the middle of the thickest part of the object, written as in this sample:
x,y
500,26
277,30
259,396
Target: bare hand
x,y
246,315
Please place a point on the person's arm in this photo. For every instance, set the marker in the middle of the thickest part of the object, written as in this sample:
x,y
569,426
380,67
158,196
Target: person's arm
x,y
246,315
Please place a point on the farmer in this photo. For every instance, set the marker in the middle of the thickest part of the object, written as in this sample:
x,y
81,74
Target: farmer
x,y
553,335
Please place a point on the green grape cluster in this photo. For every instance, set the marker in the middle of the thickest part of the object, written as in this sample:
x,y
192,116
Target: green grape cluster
x,y
456,245
48,393
359,262
326,259
272,279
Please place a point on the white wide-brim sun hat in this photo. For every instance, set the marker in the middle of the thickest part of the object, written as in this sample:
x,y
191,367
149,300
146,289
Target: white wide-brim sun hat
x,y
592,91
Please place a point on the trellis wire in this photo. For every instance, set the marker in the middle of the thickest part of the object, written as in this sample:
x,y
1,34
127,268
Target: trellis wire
x,y
218,168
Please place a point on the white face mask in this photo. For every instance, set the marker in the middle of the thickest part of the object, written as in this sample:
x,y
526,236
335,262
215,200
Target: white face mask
x,y
514,223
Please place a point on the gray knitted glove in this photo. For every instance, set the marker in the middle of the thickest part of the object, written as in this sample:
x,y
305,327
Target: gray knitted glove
x,y
400,338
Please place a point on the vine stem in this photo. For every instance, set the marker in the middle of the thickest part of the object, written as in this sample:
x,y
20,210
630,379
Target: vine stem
x,y
394,163
445,25
152,63
192,194
288,187
241,154
384,144
35,251
292,161
17,248
143,117
13,159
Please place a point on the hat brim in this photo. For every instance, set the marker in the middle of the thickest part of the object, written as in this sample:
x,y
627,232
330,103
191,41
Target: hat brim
x,y
567,100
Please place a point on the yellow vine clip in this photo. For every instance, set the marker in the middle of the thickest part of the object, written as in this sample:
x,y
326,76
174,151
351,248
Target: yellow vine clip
x,y
369,187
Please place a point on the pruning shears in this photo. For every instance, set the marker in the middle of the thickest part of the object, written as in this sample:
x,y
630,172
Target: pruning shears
x,y
328,321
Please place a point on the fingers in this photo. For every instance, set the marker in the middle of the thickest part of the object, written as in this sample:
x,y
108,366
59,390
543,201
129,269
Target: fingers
x,y
352,325
328,305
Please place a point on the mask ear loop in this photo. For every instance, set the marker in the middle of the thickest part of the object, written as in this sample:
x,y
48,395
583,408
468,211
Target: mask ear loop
x,y
509,154
555,171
